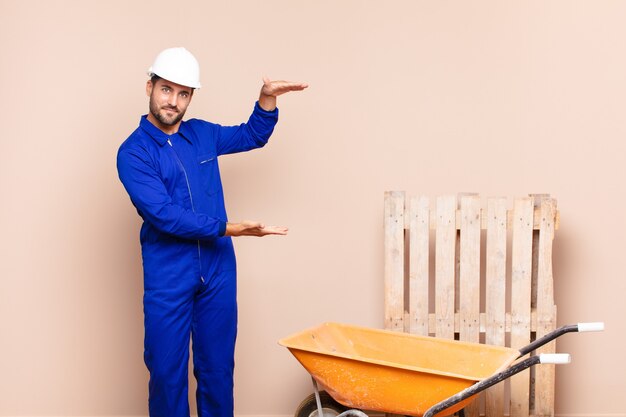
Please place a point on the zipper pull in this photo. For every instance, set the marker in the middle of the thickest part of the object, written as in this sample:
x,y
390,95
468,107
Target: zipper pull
x,y
169,142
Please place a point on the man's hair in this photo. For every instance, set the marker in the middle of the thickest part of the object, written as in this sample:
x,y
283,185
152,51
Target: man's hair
x,y
154,78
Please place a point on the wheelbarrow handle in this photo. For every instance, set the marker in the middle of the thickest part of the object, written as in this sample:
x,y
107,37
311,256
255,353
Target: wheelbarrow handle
x,y
591,327
516,368
555,358
580,327
482,385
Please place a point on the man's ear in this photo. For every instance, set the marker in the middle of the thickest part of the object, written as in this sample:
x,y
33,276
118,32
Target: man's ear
x,y
149,87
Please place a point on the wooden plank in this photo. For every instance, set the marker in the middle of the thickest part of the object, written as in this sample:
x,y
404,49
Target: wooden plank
x,y
432,322
521,275
394,260
469,270
546,312
445,243
457,254
483,220
533,293
495,293
469,278
419,232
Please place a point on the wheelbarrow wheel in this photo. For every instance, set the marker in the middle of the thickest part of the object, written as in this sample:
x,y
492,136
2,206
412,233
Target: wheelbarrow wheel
x,y
330,407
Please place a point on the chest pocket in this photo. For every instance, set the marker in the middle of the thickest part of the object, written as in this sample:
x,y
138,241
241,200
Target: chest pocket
x,y
207,168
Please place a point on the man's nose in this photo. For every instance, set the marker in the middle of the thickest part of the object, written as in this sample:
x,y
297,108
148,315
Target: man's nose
x,y
172,99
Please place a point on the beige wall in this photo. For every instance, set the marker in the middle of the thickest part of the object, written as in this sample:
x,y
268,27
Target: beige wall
x,y
433,97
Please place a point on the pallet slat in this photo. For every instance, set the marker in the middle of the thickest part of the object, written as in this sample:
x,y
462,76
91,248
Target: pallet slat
x,y
546,316
394,260
521,276
469,278
419,236
495,293
484,220
445,242
483,323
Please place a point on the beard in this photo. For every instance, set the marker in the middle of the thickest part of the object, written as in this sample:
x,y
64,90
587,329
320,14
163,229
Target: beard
x,y
160,114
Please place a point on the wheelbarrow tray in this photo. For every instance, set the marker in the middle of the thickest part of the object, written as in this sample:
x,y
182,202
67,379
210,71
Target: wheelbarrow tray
x,y
393,372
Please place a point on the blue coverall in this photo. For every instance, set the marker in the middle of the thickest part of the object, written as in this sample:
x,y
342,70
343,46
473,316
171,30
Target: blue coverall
x,y
189,265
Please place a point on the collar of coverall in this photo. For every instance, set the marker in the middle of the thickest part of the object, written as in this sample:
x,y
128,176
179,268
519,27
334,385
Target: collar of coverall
x,y
158,135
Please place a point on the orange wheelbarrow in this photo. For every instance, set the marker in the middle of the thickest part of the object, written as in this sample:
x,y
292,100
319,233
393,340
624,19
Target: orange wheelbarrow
x,y
400,373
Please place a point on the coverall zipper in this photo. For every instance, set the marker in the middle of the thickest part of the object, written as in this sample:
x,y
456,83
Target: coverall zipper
x,y
191,198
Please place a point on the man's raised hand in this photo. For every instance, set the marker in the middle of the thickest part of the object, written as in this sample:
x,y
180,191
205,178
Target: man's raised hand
x,y
272,89
276,88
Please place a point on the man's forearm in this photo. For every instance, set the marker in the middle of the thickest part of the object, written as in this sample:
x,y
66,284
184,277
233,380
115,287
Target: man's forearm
x,y
233,229
267,103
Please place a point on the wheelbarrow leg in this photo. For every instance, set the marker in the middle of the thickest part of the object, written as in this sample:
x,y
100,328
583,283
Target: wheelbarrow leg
x,y
320,410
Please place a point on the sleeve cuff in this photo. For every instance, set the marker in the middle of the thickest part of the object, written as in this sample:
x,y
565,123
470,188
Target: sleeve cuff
x,y
222,229
258,108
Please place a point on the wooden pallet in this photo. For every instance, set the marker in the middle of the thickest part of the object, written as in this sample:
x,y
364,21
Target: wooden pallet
x,y
476,272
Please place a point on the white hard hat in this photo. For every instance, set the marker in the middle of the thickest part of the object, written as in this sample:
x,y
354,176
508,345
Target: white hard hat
x,y
177,65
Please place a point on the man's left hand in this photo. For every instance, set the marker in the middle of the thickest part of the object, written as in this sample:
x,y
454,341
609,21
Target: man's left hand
x,y
273,89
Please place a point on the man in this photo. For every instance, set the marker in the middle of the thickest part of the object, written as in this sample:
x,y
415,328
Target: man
x,y
169,169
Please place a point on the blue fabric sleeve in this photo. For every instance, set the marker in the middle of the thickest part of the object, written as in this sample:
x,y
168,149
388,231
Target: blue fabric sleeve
x,y
149,196
222,229
246,136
